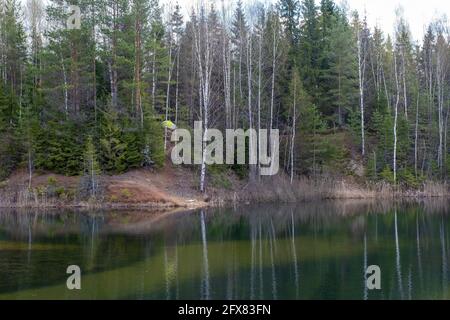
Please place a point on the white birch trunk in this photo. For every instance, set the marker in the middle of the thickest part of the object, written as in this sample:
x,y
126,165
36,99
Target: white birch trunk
x,y
177,86
154,77
259,96
294,115
249,98
440,77
274,61
66,94
361,69
205,63
226,57
404,83
169,79
416,132
396,119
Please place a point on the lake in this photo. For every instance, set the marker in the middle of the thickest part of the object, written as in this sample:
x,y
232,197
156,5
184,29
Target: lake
x,y
314,250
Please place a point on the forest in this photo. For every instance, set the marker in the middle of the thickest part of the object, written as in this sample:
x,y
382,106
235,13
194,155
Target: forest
x,y
343,94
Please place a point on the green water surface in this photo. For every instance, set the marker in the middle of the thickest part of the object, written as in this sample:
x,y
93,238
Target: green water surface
x,y
304,251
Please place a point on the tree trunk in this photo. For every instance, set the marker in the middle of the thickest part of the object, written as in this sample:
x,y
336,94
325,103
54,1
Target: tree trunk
x,y
404,83
249,101
113,63
294,115
259,97
66,94
274,60
204,60
396,119
361,70
177,86
169,79
226,60
137,72
416,133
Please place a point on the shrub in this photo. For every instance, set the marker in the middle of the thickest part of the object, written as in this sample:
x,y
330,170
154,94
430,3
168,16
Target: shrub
x,y
408,179
387,175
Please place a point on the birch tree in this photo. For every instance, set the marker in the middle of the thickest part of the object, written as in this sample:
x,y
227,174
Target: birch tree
x,y
274,24
441,76
226,62
361,47
397,101
203,50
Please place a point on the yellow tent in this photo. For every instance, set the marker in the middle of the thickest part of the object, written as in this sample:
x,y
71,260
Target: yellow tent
x,y
169,125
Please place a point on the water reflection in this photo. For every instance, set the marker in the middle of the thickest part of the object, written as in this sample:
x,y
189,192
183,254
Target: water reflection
x,y
398,265
303,251
205,278
294,257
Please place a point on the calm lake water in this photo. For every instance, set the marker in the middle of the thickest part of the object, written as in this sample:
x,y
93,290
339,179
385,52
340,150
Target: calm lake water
x,y
304,251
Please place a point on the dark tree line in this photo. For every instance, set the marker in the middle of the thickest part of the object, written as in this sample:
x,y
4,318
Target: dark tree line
x,y
93,99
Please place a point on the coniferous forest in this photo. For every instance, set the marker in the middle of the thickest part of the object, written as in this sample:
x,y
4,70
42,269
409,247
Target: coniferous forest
x,y
348,98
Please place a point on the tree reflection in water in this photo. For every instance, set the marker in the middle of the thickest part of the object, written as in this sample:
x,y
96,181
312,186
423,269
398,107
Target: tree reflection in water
x,y
297,251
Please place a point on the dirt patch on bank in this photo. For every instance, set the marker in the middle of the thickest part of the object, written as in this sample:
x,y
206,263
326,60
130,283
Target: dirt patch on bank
x,y
166,188
169,187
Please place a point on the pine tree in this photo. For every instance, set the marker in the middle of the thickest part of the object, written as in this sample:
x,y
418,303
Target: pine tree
x,y
112,147
177,29
59,147
91,168
239,38
290,13
156,58
309,49
339,76
10,148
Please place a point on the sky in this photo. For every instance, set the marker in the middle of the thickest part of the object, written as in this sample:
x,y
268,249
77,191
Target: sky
x,y
418,13
380,13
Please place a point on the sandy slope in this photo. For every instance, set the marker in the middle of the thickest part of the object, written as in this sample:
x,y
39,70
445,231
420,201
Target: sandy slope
x,y
169,187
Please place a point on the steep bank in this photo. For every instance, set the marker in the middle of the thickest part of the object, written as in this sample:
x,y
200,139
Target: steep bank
x,y
177,187
167,188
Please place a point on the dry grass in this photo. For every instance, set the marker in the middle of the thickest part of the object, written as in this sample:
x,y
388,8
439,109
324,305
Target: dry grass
x,y
435,189
25,199
168,188
176,188
279,188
